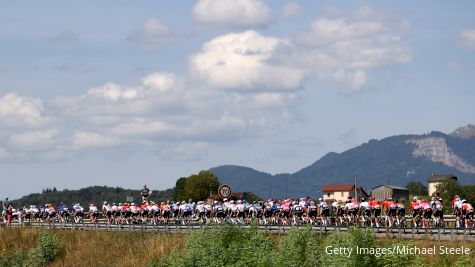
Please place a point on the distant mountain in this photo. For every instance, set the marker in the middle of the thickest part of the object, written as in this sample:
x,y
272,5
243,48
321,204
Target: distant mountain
x,y
397,159
93,194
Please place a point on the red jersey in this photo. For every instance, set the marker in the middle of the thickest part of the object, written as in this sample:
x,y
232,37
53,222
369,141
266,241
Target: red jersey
x,y
374,204
391,205
414,205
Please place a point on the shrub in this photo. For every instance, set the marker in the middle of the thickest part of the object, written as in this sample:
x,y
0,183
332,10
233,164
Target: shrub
x,y
299,248
16,260
224,245
352,239
47,249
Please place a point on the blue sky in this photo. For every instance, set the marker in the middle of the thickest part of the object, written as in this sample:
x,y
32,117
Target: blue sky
x,y
123,93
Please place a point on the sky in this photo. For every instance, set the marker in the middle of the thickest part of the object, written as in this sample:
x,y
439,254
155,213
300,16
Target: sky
x,y
123,93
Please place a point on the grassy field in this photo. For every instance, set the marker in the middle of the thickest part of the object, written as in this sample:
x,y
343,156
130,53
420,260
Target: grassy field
x,y
89,248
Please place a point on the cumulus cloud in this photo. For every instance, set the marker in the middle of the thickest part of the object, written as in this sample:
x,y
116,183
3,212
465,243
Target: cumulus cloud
x,y
233,13
467,39
19,111
83,139
292,8
241,61
33,140
152,34
344,50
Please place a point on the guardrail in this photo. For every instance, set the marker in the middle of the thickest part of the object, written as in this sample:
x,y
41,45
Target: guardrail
x,y
445,234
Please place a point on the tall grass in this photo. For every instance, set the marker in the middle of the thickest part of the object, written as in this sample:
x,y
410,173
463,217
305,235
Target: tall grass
x,y
223,246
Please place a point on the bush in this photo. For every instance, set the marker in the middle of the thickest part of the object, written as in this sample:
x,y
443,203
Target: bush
x,y
47,249
224,245
352,239
299,248
17,260
389,260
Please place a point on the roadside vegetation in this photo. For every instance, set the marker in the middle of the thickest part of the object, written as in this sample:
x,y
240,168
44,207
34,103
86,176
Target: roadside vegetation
x,y
225,245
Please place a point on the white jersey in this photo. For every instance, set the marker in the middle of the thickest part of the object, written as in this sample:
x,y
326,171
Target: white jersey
x,y
458,204
365,205
106,207
114,208
92,209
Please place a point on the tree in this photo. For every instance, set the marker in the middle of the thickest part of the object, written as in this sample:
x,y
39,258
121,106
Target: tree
x,y
447,189
199,186
179,190
416,188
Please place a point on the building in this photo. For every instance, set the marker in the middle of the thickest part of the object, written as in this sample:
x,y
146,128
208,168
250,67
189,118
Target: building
x,y
436,179
342,191
381,192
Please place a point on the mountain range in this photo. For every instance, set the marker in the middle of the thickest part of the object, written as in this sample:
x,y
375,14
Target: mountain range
x,y
393,160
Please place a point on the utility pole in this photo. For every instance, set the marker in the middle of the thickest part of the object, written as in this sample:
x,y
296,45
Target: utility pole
x,y
356,195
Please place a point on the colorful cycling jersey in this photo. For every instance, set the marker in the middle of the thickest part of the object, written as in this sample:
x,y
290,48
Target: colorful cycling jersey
x,y
414,205
323,205
391,205
425,206
467,207
374,204
365,205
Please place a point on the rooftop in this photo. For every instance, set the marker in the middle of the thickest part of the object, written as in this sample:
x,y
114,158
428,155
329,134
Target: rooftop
x,y
441,177
391,186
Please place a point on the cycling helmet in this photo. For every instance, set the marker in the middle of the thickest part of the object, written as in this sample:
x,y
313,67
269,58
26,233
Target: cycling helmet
x,y
105,203
363,199
320,199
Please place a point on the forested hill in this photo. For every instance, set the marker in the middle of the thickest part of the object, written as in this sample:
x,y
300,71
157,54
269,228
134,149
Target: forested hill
x,y
399,159
93,194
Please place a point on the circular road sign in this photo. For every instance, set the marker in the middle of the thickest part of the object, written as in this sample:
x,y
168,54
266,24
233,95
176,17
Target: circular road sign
x,y
224,191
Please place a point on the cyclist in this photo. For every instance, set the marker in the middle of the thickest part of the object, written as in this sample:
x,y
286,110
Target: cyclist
x,y
63,212
457,211
323,211
467,211
93,212
375,211
391,210
365,211
107,211
437,214
400,214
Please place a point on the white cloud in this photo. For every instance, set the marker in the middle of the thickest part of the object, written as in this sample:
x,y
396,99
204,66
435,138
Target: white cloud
x,y
152,34
273,99
242,61
140,126
21,111
467,38
292,8
34,139
83,139
234,13
344,51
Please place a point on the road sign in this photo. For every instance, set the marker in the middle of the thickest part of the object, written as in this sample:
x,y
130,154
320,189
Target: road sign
x,y
224,191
